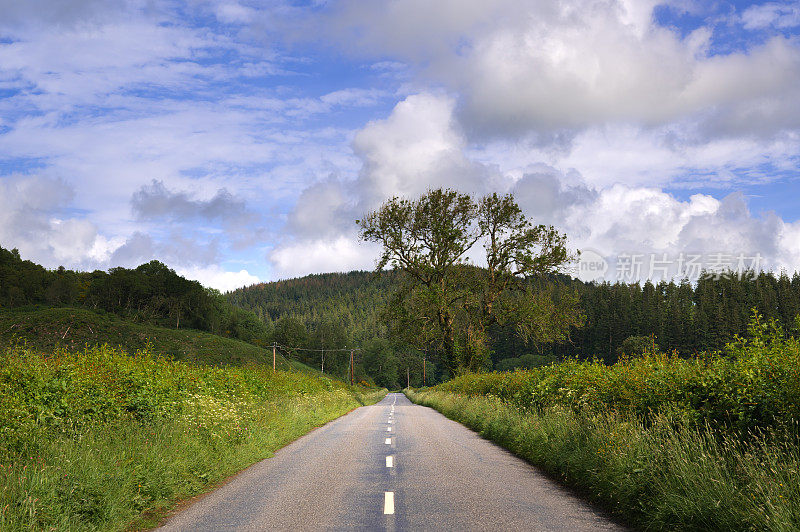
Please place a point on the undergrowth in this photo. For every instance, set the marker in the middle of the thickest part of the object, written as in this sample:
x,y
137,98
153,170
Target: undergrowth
x,y
100,439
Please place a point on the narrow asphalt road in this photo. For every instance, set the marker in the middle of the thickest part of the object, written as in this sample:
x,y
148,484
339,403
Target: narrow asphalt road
x,y
390,466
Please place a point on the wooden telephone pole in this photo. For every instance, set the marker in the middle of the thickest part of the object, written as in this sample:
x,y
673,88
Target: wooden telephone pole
x,y
408,378
273,357
351,367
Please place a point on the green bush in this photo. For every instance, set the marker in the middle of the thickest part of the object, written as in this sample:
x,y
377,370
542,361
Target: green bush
x,y
528,361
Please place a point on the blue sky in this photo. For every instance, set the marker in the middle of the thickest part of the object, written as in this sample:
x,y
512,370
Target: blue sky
x,y
238,141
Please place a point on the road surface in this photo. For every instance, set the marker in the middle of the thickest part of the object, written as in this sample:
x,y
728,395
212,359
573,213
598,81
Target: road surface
x,y
390,466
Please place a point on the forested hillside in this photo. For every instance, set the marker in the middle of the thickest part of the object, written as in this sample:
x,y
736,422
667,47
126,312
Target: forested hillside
x,y
151,293
334,311
352,301
338,311
620,317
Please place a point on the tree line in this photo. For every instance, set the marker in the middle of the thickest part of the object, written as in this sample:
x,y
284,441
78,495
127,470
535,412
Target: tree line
x,y
619,318
151,293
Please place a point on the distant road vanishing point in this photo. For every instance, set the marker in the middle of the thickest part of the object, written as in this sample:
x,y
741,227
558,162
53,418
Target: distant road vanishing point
x,y
390,466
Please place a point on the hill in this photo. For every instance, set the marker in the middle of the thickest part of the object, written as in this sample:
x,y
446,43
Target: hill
x,y
151,293
43,330
351,300
620,318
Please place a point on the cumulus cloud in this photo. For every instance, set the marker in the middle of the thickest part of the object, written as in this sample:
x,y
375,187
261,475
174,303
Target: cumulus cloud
x,y
523,66
772,14
420,146
546,197
215,276
650,224
176,249
324,209
155,201
340,254
34,218
585,110
416,148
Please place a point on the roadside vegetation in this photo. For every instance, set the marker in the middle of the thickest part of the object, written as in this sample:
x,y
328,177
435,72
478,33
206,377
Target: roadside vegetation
x,y
103,439
666,443
45,329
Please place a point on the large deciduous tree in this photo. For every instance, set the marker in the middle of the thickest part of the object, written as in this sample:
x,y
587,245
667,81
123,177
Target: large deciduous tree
x,y
446,302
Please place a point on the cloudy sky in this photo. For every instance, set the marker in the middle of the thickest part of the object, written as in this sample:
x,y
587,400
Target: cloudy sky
x,y
239,141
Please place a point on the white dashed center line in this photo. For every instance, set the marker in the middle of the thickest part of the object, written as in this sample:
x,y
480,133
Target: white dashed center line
x,y
390,461
388,502
388,441
388,429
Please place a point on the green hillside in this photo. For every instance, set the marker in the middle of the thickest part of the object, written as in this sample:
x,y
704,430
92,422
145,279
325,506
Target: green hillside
x,y
352,300
681,316
45,329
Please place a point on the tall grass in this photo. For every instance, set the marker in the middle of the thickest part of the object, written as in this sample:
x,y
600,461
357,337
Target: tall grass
x,y
754,383
665,443
660,476
105,440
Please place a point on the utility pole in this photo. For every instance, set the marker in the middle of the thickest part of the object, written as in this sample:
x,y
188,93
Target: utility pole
x,y
424,380
408,378
273,357
351,367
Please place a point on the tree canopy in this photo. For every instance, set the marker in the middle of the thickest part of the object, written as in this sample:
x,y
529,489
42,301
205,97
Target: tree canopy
x,y
447,303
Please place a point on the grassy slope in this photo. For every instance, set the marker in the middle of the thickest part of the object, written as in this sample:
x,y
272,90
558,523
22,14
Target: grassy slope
x,y
44,329
100,439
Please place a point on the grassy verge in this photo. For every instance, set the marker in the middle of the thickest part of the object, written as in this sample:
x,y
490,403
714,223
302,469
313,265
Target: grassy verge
x,y
708,443
662,476
100,439
46,329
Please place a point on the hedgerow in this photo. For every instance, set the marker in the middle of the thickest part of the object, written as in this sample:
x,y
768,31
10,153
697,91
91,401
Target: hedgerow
x,y
753,384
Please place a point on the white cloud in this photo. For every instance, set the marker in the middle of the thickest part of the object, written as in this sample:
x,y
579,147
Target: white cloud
x,y
420,146
341,254
32,219
584,109
215,277
648,223
772,14
520,66
417,147
234,13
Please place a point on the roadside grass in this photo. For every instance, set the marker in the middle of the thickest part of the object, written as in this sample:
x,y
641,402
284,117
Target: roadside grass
x,y
46,329
663,476
100,439
710,443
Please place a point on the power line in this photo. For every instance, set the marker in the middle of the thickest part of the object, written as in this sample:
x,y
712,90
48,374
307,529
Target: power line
x,y
316,350
351,350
